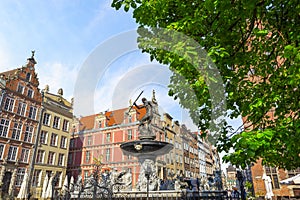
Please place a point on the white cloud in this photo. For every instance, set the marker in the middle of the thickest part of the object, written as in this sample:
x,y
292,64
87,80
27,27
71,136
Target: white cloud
x,y
57,75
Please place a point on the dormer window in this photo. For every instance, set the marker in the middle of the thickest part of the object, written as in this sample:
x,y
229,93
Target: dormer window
x,y
99,124
28,76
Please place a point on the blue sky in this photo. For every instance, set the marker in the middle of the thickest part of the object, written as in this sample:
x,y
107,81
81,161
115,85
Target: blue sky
x,y
68,37
64,34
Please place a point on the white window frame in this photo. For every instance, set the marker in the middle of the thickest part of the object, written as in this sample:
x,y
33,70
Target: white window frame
x,y
63,142
46,119
25,155
17,129
20,88
61,159
40,156
2,147
89,140
28,93
4,127
20,176
55,136
87,156
36,177
65,126
21,108
51,158
32,112
12,153
56,122
107,155
43,137
9,104
28,133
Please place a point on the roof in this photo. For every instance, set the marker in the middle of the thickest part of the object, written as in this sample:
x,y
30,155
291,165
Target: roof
x,y
58,99
114,117
10,72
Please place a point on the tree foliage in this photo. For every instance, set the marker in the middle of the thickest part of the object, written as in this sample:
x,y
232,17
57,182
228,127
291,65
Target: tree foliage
x,y
255,46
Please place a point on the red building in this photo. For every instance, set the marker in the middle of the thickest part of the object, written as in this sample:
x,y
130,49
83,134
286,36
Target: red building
x,y
100,136
20,106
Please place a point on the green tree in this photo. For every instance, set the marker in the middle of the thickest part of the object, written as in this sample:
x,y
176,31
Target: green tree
x,y
255,46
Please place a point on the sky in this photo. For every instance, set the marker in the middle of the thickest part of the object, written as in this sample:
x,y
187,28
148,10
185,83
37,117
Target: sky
x,y
88,49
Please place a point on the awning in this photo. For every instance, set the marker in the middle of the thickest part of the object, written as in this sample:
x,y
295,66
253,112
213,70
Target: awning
x,y
291,181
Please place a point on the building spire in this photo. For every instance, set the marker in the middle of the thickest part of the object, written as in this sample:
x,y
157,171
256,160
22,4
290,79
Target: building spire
x,y
31,61
153,97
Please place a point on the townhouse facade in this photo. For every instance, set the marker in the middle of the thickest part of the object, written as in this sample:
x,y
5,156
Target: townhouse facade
x,y
20,109
99,136
53,143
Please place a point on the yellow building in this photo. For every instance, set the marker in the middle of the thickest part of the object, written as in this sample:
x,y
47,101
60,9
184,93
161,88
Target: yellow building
x,y
53,146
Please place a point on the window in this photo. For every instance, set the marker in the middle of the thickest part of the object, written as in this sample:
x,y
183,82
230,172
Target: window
x,y
12,153
72,143
24,155
51,158
56,122
32,112
1,150
21,108
107,155
28,134
20,176
43,137
63,142
99,124
16,132
86,174
61,159
129,119
87,156
40,156
129,134
28,76
9,104
4,124
89,140
65,125
20,88
36,177
108,137
53,141
46,119
30,93
70,158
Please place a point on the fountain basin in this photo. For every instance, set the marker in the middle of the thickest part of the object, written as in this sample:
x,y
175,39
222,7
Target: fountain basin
x,y
146,148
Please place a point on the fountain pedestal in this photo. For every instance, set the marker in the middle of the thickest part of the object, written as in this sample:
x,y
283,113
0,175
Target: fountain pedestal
x,y
146,151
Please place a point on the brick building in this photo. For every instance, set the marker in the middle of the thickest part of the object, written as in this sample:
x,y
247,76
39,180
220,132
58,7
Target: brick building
x,y
19,114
